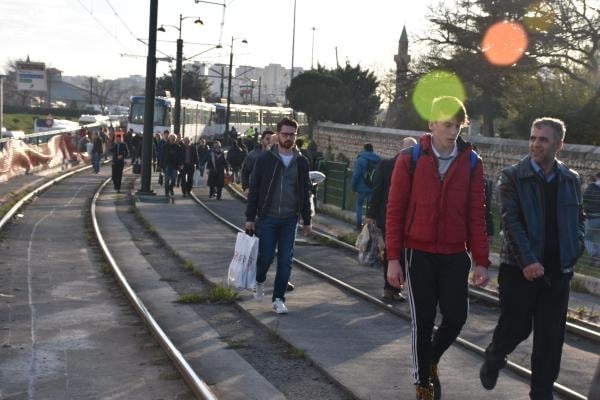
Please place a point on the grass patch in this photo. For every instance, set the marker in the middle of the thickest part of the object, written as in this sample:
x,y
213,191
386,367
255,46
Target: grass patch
x,y
235,344
222,294
13,199
189,266
349,237
191,298
295,352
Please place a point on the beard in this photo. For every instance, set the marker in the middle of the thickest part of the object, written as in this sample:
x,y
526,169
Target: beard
x,y
287,144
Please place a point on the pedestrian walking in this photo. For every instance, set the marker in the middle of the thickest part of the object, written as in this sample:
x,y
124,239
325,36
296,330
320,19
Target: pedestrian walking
x,y
118,152
543,226
96,152
378,208
190,161
250,159
591,205
279,194
217,166
172,163
362,179
235,158
435,215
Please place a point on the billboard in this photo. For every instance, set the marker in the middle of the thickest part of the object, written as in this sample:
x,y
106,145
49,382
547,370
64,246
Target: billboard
x,y
31,76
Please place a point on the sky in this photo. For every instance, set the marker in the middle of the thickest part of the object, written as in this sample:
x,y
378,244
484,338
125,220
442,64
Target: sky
x,y
100,37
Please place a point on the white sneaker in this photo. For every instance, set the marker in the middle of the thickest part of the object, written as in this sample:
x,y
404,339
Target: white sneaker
x,y
279,306
259,291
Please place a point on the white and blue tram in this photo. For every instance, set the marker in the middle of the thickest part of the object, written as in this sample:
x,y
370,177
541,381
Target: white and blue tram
x,y
200,119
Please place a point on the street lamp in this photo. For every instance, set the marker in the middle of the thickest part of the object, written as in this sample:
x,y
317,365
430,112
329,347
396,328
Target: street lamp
x,y
227,115
178,73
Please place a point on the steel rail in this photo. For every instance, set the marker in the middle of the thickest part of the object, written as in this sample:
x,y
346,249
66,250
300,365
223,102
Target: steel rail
x,y
580,330
514,367
198,386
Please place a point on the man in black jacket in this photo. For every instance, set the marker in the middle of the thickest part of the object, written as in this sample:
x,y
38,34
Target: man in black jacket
x,y
378,207
119,152
279,192
543,225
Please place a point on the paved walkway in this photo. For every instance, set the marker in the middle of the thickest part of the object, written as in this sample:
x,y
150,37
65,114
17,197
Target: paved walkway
x,y
362,347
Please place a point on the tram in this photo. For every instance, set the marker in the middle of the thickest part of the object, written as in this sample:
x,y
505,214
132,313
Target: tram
x,y
200,119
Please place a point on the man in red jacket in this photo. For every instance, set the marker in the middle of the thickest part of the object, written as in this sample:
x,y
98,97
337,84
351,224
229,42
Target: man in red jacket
x,y
436,217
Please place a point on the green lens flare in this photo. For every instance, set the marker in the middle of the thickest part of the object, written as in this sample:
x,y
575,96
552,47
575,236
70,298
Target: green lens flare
x,y
436,84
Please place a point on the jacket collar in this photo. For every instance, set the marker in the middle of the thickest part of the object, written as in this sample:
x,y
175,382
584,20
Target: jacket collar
x,y
525,170
426,143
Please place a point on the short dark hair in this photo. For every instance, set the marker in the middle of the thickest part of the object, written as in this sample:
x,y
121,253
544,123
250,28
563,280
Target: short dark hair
x,y
286,121
557,125
299,143
449,107
368,147
265,133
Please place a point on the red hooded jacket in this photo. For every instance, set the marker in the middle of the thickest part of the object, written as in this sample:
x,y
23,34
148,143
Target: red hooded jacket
x,y
440,217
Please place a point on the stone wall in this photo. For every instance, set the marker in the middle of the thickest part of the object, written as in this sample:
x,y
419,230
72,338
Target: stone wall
x,y
495,152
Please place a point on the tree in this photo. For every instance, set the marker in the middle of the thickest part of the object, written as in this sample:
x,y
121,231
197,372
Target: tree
x,y
194,86
564,37
362,86
320,95
345,95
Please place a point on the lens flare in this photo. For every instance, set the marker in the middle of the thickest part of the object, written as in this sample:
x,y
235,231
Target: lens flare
x,y
436,84
504,43
539,17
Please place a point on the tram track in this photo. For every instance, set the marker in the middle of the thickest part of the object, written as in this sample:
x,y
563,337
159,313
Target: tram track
x,y
576,326
563,390
197,386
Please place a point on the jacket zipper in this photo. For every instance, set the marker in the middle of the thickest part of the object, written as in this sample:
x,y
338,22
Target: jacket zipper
x,y
271,182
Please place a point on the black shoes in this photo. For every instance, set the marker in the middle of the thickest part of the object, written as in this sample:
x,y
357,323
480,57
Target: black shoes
x,y
290,287
489,375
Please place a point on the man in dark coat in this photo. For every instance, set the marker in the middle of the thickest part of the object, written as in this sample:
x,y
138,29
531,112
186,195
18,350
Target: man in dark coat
x,y
217,165
190,161
119,152
378,206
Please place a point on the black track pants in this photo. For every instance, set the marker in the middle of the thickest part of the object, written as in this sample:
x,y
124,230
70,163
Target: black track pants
x,y
434,279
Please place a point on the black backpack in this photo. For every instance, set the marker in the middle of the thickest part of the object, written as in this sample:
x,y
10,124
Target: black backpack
x,y
369,174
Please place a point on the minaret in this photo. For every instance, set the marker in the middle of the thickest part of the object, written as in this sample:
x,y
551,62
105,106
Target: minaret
x,y
402,59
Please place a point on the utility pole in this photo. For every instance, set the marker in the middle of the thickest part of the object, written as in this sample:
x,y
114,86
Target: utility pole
x,y
91,86
259,87
293,42
149,102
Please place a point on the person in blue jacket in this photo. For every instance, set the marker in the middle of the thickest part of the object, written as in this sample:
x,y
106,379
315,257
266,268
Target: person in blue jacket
x,y
362,179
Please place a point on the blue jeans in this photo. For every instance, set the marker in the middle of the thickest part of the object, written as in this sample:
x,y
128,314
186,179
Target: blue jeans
x,y
272,232
360,200
96,161
170,178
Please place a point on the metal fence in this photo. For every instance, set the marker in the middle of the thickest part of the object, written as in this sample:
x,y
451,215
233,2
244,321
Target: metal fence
x,y
337,190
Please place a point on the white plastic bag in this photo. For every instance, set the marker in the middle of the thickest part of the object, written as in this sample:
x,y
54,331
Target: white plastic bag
x,y
370,246
242,269
197,177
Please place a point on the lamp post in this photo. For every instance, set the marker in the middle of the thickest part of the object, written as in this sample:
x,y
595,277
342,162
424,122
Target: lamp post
x,y
293,42
178,72
227,115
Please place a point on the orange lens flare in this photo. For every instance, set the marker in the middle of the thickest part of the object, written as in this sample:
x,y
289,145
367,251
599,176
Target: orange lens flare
x,y
504,43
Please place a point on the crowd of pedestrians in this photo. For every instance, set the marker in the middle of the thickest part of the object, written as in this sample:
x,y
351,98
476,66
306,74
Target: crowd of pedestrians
x,y
432,204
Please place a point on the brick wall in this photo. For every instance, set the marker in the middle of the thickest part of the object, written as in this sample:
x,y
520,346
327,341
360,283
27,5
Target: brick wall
x,y
496,152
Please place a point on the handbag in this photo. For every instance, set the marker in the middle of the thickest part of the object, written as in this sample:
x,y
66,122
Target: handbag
x,y
137,168
242,268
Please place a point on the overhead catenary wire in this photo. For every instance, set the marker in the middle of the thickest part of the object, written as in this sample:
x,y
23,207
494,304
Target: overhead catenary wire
x,y
90,11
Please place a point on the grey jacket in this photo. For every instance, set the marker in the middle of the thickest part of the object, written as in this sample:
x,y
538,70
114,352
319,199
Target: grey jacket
x,y
522,212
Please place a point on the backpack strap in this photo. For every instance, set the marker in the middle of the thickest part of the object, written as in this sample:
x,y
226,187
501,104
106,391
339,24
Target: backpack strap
x,y
416,153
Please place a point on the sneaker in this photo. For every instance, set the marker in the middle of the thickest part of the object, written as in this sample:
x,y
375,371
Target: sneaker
x,y
290,286
279,306
172,199
488,375
259,292
434,378
392,294
424,392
